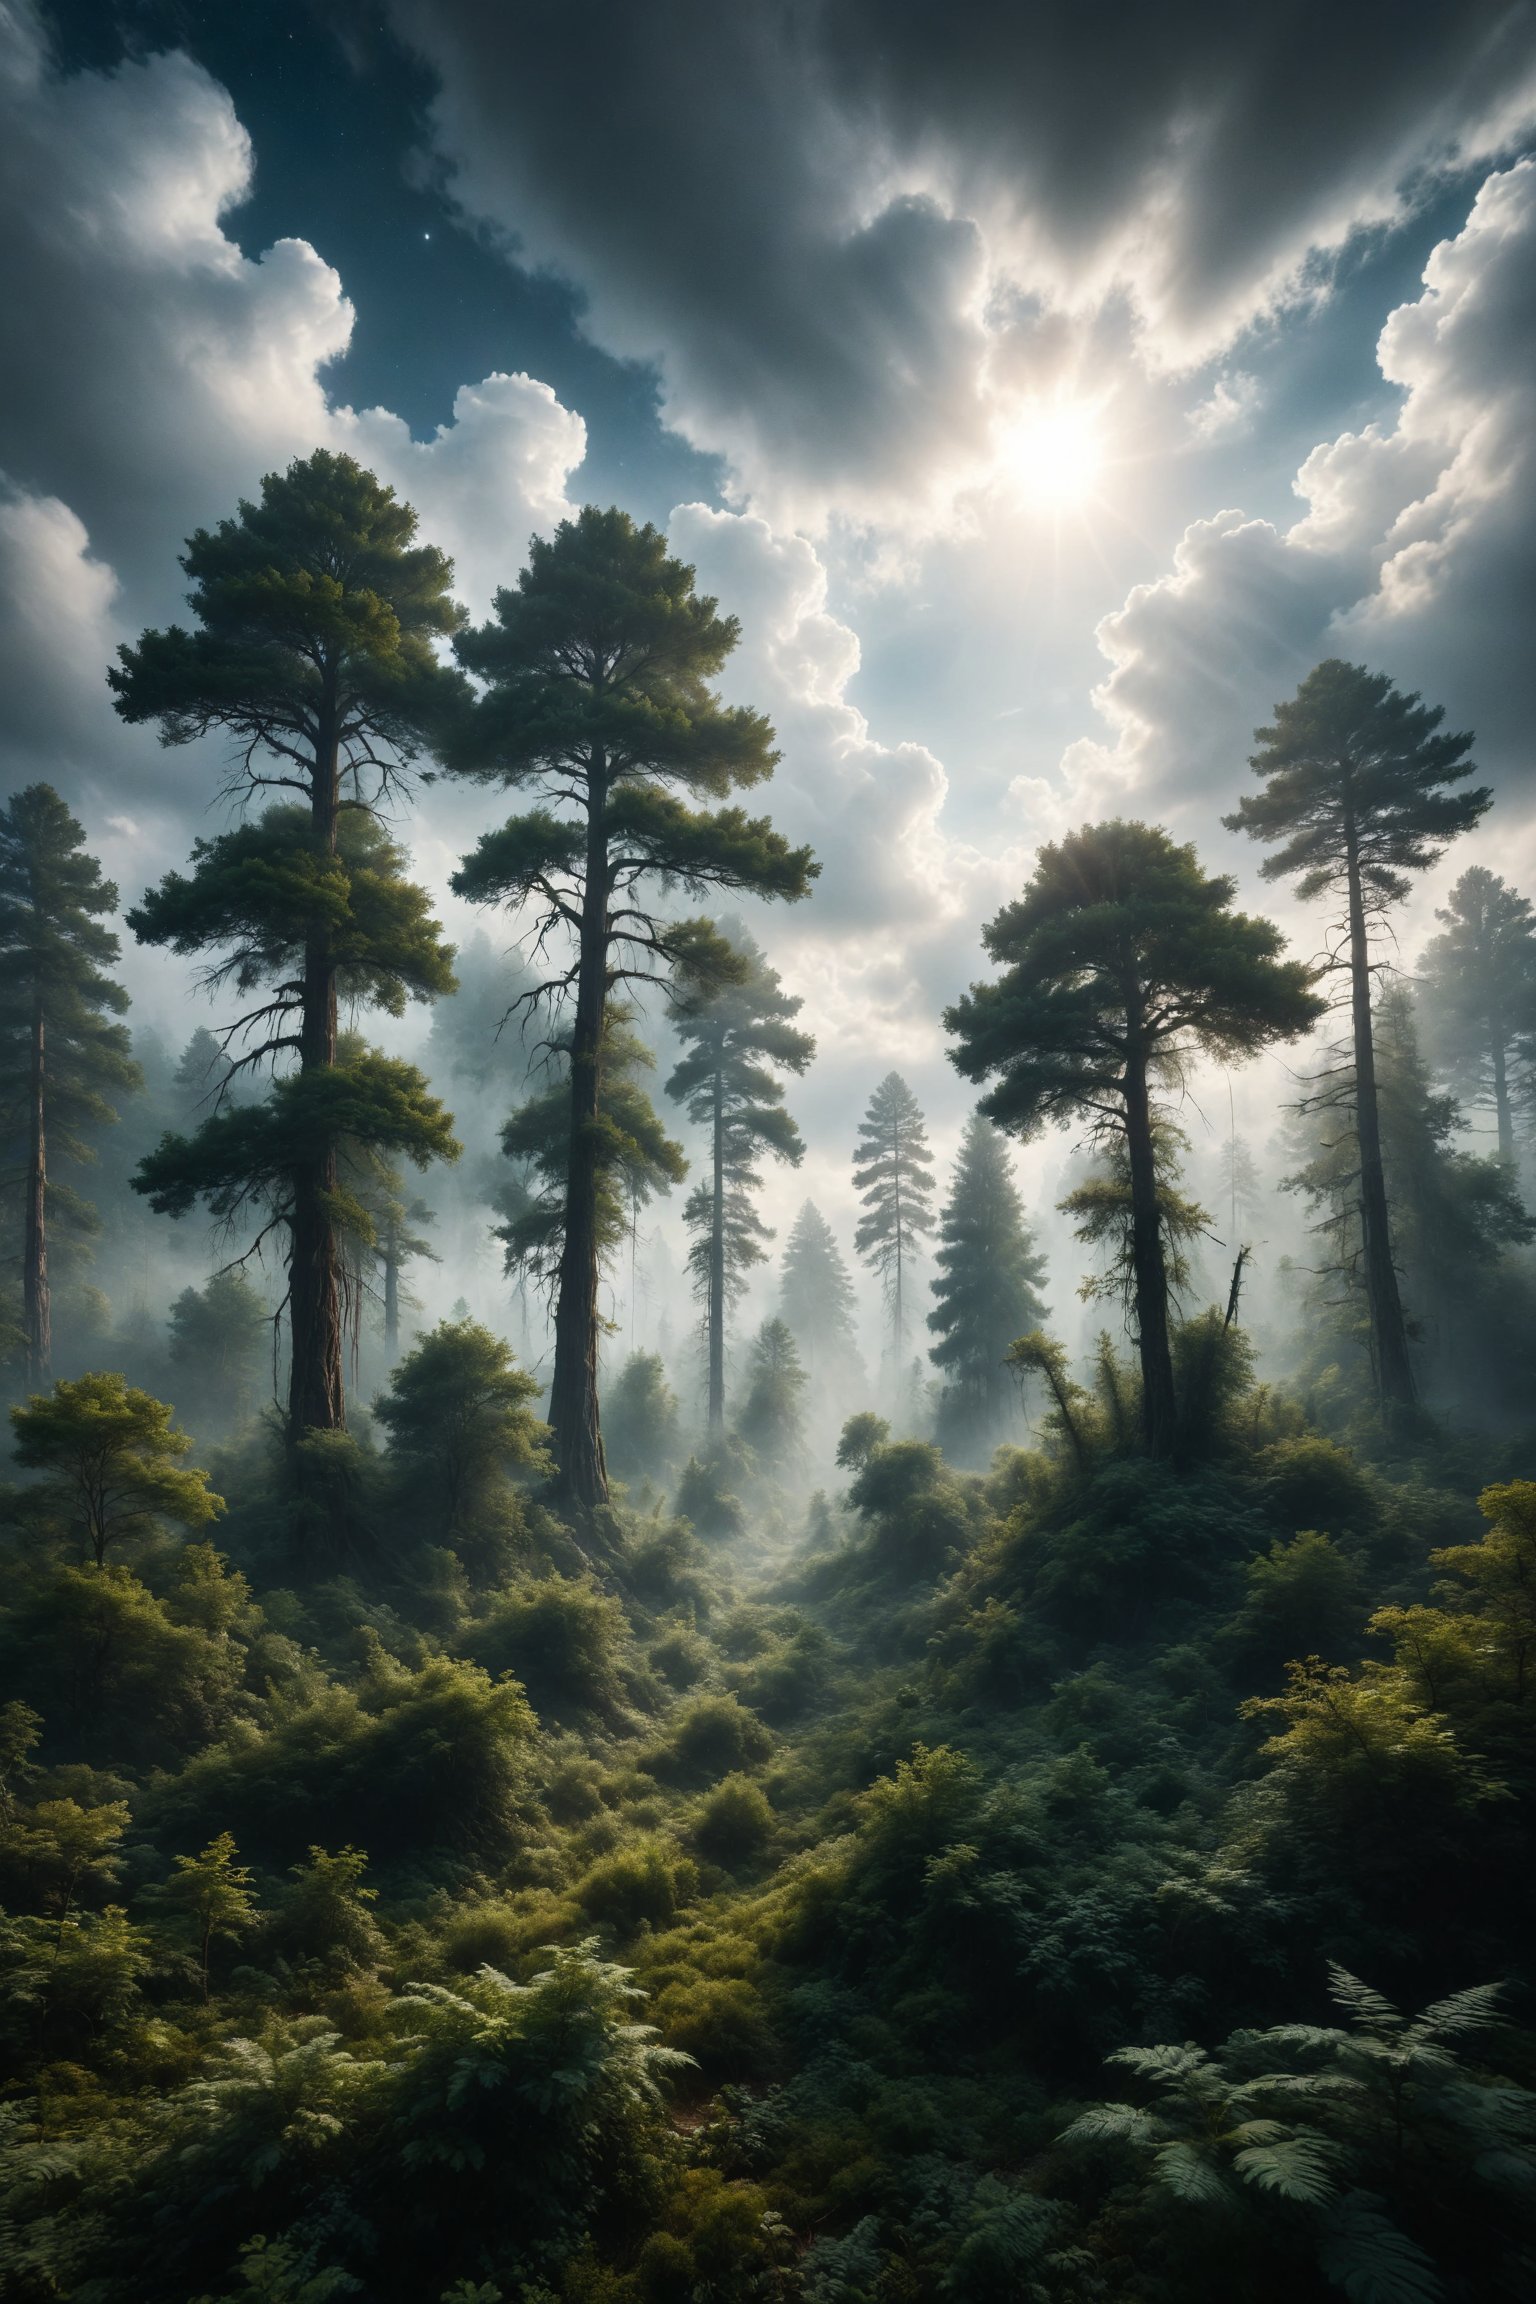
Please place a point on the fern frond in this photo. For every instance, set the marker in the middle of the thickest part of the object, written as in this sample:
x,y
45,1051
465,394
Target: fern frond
x,y
1362,2252
1188,2175
1117,2123
1298,2168
1470,2011
1368,2008
1165,2064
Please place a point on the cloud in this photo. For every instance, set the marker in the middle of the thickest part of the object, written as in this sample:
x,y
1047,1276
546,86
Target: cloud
x,y
482,484
150,373
891,930
1230,410
1416,554
822,222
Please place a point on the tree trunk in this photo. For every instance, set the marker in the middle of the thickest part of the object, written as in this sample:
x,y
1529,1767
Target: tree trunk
x,y
316,1386
716,1319
1389,1329
1501,1105
1159,1405
391,1303
898,1309
581,1474
37,1315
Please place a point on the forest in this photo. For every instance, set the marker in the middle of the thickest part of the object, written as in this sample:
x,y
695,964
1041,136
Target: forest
x,y
794,1766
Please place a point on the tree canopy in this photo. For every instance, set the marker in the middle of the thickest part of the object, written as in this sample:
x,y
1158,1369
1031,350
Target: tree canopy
x,y
1122,959
111,1458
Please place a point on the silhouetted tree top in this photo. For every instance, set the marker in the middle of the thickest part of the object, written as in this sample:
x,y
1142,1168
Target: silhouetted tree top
x,y
316,612
598,664
1121,942
1352,767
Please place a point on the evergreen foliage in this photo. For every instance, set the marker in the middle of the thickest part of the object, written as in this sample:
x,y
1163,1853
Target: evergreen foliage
x,y
459,1423
1357,784
1121,960
640,1420
893,1176
736,1035
63,1058
220,1335
1479,999
635,1159
816,1301
597,670
987,1293
772,1419
110,1461
1456,1217
315,615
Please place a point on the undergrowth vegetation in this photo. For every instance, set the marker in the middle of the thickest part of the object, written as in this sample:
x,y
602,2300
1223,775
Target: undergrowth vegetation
x,y
1086,1878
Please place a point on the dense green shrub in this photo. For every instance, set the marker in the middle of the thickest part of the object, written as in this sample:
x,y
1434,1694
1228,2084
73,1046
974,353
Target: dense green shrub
x,y
417,1765
710,1737
733,1823
562,1637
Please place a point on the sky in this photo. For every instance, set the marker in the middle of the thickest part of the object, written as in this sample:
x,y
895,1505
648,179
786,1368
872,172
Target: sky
x,y
1046,388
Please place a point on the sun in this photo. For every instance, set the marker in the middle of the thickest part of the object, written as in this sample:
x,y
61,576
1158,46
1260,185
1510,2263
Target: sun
x,y
1055,454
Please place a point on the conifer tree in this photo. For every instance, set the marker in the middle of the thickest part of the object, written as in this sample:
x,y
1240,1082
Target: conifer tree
x,y
1479,997
597,669
1456,1218
219,1335
1122,959
1357,786
771,1420
1239,1195
986,1295
398,1239
736,1035
816,1298
893,1175
316,611
62,1059
201,1078
640,1420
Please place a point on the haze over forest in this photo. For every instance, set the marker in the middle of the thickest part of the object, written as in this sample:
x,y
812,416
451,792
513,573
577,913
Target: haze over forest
x,y
768,1054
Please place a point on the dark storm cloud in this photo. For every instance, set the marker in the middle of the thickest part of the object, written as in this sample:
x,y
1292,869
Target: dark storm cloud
x,y
1248,131
690,168
797,207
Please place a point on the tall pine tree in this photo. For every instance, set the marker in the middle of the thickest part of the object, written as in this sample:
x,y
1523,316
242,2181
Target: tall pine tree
x,y
893,1175
736,1036
316,611
1357,785
62,1058
1456,1217
597,669
986,1294
1121,961
1479,998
